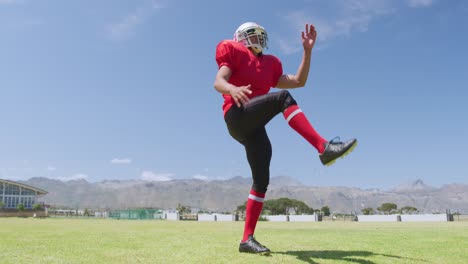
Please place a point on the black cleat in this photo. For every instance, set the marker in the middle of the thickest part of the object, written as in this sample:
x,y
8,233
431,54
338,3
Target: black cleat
x,y
253,246
336,149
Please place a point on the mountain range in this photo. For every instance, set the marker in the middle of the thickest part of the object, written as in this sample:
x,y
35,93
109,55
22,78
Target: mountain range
x,y
226,195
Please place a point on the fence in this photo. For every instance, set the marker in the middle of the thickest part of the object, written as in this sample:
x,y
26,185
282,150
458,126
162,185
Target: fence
x,y
25,213
137,214
406,218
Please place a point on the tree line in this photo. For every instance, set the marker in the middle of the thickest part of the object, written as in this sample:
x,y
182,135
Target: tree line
x,y
286,206
390,208
281,206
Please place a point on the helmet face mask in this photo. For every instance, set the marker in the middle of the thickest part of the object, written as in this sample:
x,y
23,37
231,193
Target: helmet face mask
x,y
252,36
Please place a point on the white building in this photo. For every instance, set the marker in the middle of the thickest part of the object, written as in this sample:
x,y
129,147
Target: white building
x,y
13,193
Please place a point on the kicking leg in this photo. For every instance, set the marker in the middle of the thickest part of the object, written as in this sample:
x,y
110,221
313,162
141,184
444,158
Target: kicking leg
x,y
329,150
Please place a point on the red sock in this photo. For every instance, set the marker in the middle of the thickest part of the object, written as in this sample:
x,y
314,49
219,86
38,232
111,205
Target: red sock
x,y
252,212
298,121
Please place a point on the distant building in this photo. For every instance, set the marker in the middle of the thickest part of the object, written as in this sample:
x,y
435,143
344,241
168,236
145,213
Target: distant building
x,y
14,193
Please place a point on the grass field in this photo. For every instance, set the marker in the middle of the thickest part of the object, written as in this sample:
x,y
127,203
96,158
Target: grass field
x,y
27,240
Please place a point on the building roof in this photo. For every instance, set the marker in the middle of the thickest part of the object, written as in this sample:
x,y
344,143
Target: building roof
x,y
37,190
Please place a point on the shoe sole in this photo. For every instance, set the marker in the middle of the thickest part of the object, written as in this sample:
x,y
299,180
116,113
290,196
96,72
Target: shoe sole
x,y
268,253
344,154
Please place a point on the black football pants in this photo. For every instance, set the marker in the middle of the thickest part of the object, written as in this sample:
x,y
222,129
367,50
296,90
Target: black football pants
x,y
247,125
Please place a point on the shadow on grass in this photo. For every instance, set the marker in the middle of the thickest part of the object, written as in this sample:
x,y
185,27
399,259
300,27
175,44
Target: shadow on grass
x,y
349,256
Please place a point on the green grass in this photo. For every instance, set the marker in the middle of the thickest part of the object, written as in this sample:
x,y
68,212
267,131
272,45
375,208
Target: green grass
x,y
121,241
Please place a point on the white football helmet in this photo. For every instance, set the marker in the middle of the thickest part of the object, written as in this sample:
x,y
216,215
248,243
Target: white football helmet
x,y
252,35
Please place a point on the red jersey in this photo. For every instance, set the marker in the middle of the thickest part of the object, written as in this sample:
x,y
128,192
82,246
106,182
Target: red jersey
x,y
262,72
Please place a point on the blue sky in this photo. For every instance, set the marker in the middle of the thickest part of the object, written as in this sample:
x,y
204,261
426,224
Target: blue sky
x,y
102,90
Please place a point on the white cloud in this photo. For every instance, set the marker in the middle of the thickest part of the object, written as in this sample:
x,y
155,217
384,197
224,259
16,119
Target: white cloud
x,y
334,19
126,27
420,3
287,46
78,176
200,177
151,176
121,161
51,168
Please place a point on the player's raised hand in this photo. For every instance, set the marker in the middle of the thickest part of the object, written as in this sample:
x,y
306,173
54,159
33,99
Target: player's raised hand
x,y
309,37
